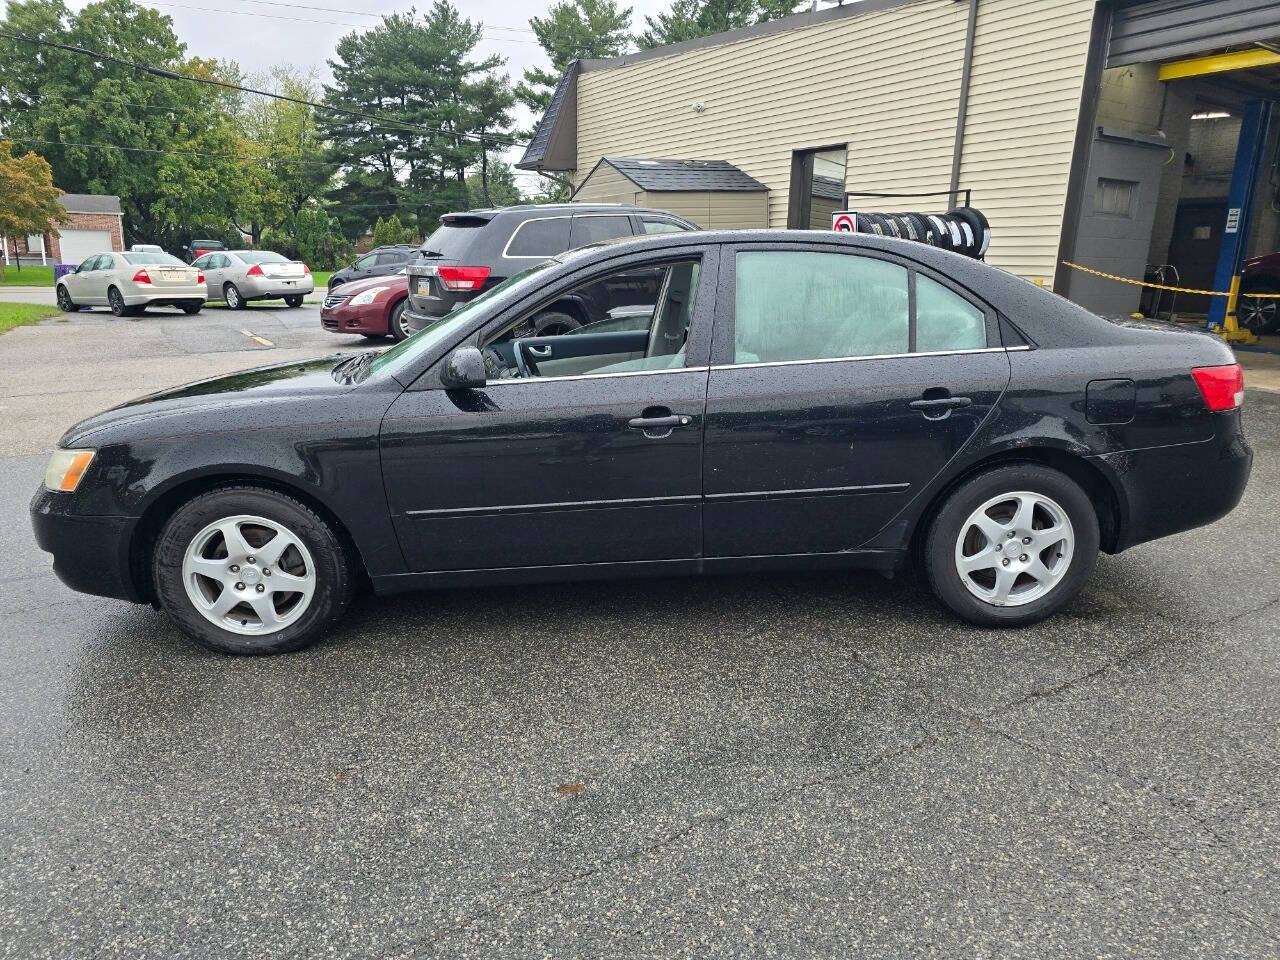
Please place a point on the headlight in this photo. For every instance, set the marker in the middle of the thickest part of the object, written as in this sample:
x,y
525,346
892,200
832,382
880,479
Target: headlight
x,y
65,469
367,297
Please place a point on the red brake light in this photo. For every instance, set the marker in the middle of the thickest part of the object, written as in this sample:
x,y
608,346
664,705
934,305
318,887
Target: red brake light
x,y
142,277
199,278
255,271
462,278
1222,387
306,269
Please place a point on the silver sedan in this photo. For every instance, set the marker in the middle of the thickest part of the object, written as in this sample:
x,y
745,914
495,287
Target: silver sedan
x,y
128,283
238,276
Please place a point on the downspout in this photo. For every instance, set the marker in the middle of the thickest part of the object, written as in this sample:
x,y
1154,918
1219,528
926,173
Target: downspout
x,y
962,110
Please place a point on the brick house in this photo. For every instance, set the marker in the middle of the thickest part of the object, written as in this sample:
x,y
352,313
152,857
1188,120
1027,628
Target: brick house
x,y
92,223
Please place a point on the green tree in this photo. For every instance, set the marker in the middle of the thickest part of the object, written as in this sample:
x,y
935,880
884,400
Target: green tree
x,y
319,241
689,19
169,154
389,232
573,30
502,190
28,198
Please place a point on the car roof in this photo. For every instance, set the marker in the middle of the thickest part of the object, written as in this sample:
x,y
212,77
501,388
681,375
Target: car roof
x,y
561,209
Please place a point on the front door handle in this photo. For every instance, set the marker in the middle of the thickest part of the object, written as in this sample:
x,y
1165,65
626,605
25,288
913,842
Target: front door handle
x,y
658,422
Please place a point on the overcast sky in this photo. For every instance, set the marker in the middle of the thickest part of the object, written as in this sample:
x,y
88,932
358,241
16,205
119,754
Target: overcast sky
x,y
259,34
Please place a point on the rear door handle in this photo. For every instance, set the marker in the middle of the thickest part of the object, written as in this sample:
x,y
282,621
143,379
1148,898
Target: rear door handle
x,y
946,403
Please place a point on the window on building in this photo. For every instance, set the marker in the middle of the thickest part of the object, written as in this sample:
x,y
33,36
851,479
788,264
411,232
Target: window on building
x,y
817,187
1115,197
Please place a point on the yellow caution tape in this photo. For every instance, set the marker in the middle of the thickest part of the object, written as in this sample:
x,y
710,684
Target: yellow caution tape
x,y
1164,286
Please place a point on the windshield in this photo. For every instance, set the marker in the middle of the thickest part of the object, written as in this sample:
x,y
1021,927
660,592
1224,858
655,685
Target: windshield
x,y
260,256
406,351
140,258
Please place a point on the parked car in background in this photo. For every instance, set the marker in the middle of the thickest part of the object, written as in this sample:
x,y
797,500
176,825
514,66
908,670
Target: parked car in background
x,y
146,248
128,283
373,307
475,251
238,276
197,248
791,400
1260,275
379,262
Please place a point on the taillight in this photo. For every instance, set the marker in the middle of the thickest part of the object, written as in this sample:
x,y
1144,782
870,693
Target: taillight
x,y
306,270
142,277
199,278
1223,387
255,271
462,278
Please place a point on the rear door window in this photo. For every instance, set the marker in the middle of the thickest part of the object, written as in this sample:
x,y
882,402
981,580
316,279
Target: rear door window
x,y
541,238
945,321
654,225
594,229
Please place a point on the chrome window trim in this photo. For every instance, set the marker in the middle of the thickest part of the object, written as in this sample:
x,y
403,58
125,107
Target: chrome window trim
x,y
533,256
600,376
876,356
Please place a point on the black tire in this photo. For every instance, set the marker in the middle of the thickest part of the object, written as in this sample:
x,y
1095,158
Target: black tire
x,y
395,323
191,309
1258,314
553,323
233,297
65,303
939,559
333,569
294,301
115,300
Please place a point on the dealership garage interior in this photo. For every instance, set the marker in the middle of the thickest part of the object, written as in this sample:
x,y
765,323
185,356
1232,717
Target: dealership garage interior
x,y
1181,184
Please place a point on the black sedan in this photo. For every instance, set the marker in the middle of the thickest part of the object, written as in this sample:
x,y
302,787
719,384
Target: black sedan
x,y
782,400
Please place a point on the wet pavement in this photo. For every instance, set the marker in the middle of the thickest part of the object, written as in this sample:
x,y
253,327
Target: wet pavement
x,y
812,765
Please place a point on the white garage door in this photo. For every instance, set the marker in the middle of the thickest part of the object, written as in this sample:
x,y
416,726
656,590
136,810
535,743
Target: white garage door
x,y
78,245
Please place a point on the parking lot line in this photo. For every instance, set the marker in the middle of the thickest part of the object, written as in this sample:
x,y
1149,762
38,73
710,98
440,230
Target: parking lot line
x,y
260,341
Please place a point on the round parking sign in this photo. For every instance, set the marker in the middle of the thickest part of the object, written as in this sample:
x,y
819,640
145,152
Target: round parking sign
x,y
842,221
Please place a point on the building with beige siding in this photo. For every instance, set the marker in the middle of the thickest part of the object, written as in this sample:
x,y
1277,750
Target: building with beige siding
x,y
1048,113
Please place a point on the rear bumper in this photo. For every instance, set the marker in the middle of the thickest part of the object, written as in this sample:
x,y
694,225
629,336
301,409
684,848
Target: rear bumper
x,y
1167,490
263,288
90,554
164,295
421,310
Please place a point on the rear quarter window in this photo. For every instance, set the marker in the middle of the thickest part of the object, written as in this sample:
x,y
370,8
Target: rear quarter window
x,y
539,238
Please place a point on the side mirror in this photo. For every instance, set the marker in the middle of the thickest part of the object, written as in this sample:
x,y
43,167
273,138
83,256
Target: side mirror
x,y
464,370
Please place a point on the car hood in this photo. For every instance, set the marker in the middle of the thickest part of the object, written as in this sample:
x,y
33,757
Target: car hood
x,y
223,396
353,287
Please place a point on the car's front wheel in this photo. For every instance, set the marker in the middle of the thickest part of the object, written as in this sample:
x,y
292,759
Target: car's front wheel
x,y
246,570
65,303
1012,545
1258,314
396,325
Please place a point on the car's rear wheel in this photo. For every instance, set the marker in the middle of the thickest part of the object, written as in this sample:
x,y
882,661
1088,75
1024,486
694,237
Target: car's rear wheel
x,y
295,301
231,294
191,309
245,570
1258,314
1012,546
65,303
396,325
554,323
115,300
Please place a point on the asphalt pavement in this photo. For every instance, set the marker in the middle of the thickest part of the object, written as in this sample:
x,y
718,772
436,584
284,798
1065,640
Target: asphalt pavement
x,y
797,766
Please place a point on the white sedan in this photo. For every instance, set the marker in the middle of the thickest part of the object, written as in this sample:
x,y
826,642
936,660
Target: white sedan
x,y
238,276
128,283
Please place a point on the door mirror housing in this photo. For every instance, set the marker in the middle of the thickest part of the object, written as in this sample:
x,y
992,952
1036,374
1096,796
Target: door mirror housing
x,y
464,370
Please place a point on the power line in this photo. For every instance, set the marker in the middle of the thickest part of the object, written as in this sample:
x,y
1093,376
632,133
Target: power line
x,y
19,138
170,75
357,13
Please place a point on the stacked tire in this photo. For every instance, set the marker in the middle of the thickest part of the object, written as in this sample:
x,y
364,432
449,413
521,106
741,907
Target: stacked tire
x,y
963,230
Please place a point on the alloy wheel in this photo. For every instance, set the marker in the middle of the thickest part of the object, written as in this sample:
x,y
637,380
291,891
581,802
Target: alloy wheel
x,y
233,297
116,302
249,575
1257,315
64,300
1014,549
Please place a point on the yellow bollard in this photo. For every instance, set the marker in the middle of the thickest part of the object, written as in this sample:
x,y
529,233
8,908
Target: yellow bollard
x,y
1231,331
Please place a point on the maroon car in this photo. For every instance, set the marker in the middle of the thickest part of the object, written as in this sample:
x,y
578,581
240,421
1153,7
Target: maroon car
x,y
372,307
1260,275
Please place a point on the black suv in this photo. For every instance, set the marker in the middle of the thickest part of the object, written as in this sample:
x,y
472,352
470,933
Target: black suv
x,y
379,262
473,251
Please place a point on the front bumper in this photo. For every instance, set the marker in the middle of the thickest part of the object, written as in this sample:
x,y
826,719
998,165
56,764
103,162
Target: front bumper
x,y
140,296
269,288
371,318
90,554
1171,489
